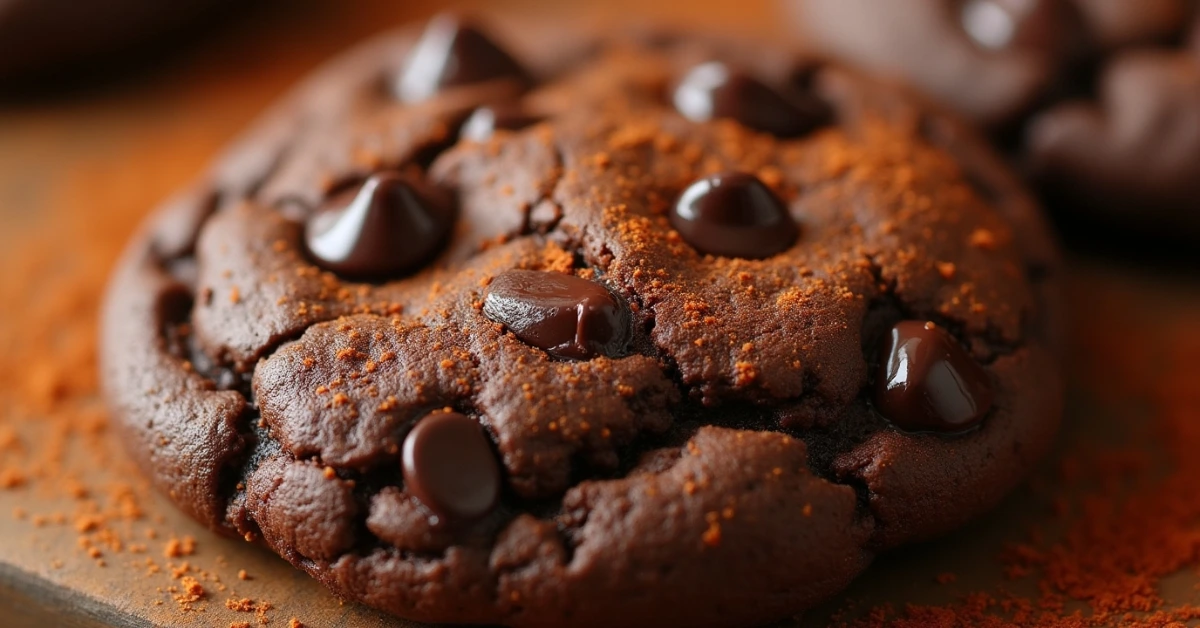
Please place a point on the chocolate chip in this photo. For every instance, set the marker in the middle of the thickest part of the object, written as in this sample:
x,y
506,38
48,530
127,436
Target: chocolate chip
x,y
1045,25
735,215
449,465
452,53
388,226
927,381
485,121
715,90
564,315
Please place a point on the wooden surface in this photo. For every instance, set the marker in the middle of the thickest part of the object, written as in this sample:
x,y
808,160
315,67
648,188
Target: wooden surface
x,y
85,165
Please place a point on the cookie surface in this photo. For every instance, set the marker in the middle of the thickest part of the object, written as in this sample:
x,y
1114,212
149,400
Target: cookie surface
x,y
636,330
1099,100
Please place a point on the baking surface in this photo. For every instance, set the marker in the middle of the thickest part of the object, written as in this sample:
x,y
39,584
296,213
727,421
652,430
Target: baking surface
x,y
86,543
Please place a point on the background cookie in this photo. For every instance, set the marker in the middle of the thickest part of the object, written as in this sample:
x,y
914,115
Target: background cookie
x,y
1098,100
634,352
47,36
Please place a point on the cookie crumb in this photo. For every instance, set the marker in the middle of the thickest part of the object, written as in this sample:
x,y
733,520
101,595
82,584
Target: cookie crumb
x,y
983,239
179,547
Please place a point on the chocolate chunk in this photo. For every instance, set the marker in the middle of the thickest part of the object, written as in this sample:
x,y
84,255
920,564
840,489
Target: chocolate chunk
x,y
564,315
387,227
485,121
716,90
1005,24
1050,34
452,53
735,215
926,381
449,465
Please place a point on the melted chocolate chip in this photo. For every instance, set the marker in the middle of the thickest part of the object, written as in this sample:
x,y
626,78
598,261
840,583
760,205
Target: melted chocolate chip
x,y
485,121
564,315
389,226
715,90
927,381
734,215
452,53
449,465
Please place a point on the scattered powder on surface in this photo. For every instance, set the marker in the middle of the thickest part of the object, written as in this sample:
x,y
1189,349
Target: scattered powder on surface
x,y
58,458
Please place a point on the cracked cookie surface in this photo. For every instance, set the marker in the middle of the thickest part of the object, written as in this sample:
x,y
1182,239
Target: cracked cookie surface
x,y
638,380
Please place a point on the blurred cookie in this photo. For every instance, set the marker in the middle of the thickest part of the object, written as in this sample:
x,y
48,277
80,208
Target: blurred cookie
x,y
1097,100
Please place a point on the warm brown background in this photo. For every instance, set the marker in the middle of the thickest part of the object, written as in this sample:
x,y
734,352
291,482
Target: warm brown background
x,y
85,164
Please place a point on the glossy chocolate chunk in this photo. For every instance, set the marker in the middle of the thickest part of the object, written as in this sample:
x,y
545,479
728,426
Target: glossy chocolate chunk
x,y
734,215
564,315
1002,24
716,90
1053,29
388,226
927,381
449,53
449,465
485,121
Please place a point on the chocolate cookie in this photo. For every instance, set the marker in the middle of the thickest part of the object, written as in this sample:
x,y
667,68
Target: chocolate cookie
x,y
1098,100
639,330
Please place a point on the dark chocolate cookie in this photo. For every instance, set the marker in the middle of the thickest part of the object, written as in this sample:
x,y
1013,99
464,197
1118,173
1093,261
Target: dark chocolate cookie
x,y
638,331
1098,100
